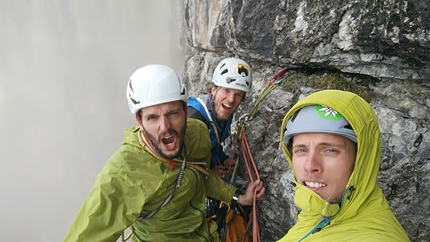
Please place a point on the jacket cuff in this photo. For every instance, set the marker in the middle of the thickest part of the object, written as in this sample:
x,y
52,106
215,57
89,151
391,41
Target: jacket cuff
x,y
235,199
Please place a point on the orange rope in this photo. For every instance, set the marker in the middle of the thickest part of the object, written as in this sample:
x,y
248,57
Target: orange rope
x,y
251,167
253,175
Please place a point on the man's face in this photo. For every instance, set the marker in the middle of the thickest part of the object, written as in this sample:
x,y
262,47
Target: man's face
x,y
165,125
323,163
226,101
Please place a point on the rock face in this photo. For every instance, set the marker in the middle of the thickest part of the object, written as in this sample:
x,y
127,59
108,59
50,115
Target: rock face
x,y
378,49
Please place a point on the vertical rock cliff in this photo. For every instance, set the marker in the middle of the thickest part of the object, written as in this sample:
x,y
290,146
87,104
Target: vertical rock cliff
x,y
378,49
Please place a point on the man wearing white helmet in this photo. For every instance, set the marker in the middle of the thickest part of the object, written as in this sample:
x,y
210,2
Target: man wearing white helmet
x,y
156,181
231,80
332,142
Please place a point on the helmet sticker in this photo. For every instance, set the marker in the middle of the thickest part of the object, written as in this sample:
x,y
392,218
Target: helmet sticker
x,y
328,112
242,70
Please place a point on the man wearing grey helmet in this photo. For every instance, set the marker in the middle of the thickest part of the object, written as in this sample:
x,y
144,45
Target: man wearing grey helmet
x,y
332,142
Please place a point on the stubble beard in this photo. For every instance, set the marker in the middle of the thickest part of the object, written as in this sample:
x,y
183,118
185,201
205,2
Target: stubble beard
x,y
156,142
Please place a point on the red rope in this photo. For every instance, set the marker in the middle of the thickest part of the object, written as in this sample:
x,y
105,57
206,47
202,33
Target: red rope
x,y
253,175
247,155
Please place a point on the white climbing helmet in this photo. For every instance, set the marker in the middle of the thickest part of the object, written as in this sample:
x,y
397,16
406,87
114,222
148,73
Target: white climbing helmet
x,y
318,119
154,84
233,73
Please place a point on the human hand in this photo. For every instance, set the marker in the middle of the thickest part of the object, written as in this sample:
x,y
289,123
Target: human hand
x,y
229,162
248,197
221,171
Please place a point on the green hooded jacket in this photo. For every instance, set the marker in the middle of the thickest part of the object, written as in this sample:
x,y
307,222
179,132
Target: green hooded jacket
x,y
133,182
364,213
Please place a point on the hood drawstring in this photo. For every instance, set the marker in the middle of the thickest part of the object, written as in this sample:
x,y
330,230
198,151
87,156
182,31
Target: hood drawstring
x,y
351,190
332,208
323,223
292,186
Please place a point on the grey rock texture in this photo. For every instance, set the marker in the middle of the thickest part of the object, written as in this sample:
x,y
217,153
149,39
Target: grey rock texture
x,y
378,49
379,38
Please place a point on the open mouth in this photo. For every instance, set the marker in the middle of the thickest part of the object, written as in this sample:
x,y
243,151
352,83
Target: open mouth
x,y
169,142
226,106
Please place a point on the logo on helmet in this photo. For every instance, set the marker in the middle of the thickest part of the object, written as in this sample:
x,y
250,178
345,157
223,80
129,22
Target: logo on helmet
x,y
328,112
242,70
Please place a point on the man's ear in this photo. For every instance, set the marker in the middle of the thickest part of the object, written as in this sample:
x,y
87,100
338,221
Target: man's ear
x,y
186,109
139,119
213,90
243,97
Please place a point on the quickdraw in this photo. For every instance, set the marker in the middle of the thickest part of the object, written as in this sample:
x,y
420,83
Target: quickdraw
x,y
240,136
245,120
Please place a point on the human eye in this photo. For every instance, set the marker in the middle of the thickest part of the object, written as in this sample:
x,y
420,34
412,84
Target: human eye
x,y
150,117
173,113
299,150
331,150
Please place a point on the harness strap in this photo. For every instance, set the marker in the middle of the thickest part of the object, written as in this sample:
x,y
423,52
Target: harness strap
x,y
140,218
210,120
178,184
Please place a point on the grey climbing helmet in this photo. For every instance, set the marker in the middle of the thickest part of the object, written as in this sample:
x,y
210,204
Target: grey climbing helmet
x,y
318,119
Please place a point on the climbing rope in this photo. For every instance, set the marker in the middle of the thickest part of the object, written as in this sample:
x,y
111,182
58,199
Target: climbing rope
x,y
240,136
244,121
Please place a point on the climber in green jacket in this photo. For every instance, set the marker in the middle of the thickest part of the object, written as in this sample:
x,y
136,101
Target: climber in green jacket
x,y
332,142
157,181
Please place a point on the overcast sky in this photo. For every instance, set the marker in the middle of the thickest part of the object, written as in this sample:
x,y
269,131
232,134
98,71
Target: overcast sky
x,y
64,66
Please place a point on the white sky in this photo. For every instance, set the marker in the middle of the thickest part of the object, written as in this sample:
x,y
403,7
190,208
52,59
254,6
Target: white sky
x,y
64,66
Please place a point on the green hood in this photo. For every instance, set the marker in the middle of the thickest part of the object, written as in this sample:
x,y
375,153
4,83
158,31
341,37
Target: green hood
x,y
364,214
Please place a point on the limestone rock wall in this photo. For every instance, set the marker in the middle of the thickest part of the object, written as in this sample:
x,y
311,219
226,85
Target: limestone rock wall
x,y
378,49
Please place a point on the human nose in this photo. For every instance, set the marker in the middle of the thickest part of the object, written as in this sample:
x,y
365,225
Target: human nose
x,y
164,124
313,163
230,97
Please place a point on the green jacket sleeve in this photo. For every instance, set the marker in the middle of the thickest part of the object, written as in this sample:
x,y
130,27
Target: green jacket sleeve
x,y
219,189
200,141
112,205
